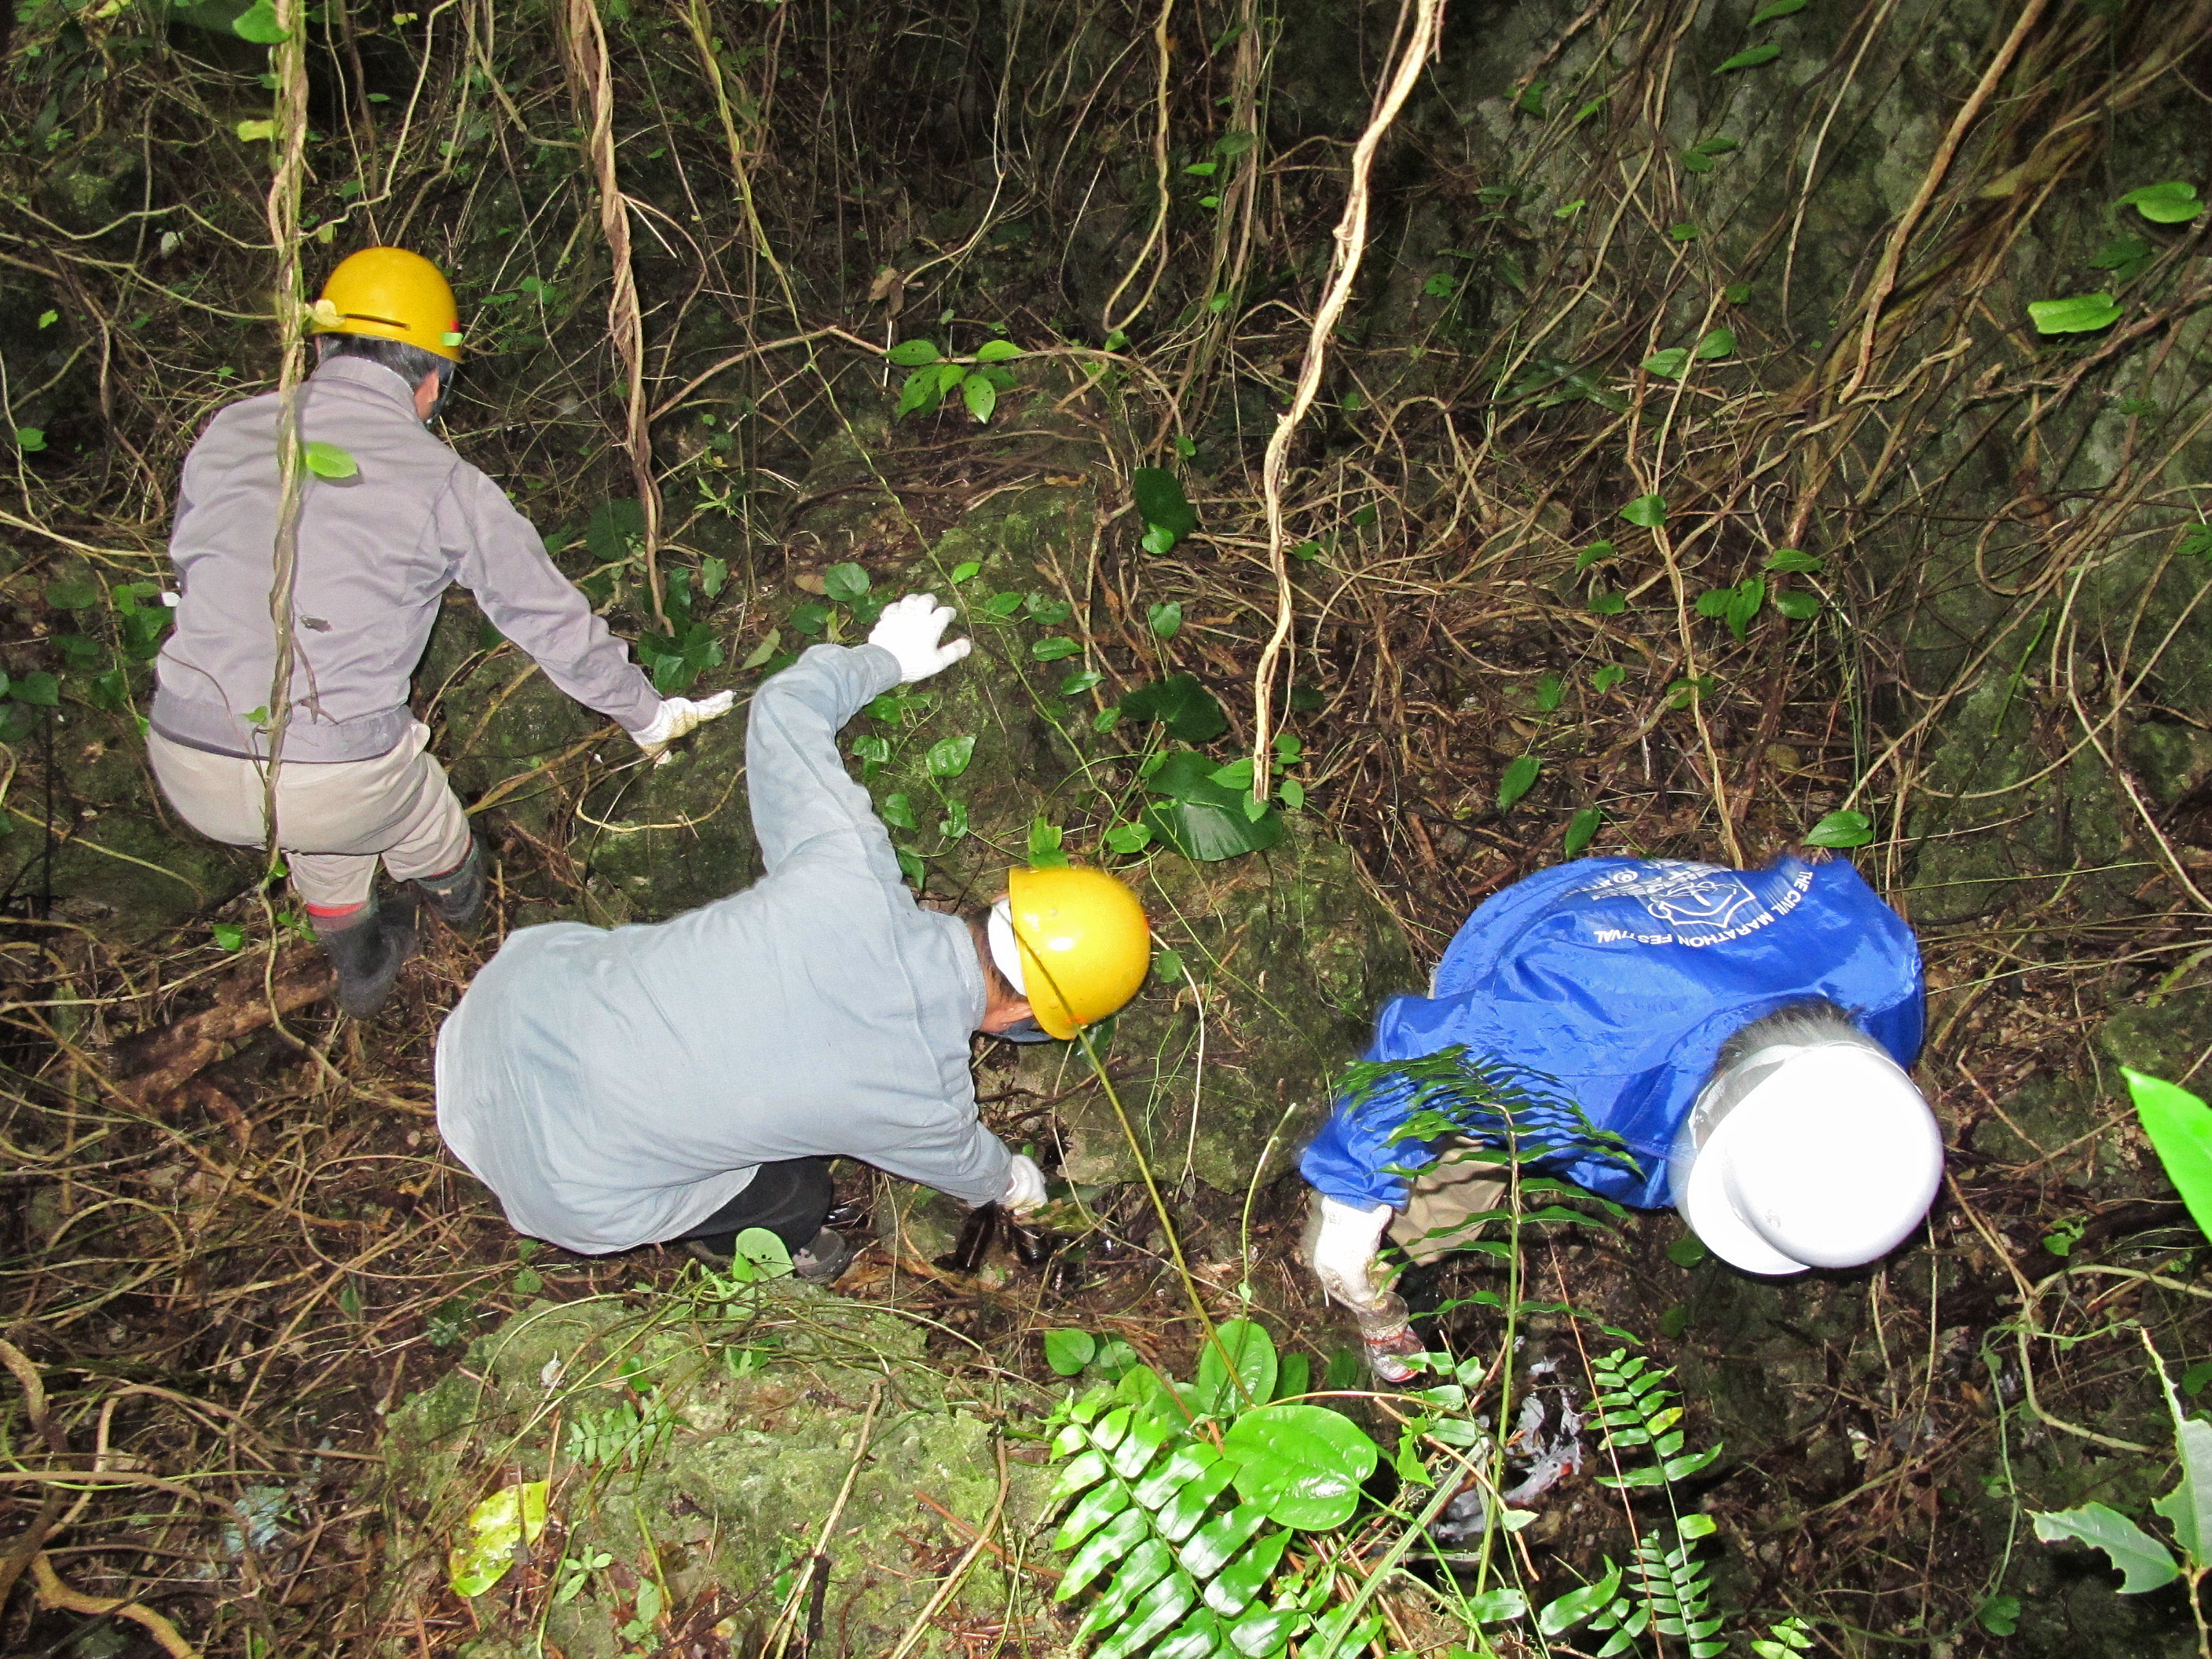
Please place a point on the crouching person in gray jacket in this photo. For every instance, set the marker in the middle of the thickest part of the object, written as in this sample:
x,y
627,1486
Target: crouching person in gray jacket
x,y
377,551
687,1079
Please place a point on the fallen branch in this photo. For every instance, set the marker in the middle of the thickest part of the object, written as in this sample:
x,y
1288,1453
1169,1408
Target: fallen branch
x,y
161,1062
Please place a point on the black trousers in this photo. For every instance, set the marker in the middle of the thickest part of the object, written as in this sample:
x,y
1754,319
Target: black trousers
x,y
791,1199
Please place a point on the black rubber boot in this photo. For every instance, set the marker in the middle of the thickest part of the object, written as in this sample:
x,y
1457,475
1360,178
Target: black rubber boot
x,y
370,954
458,896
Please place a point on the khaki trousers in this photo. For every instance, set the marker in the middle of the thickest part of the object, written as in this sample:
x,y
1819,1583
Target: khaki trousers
x,y
335,819
1461,1184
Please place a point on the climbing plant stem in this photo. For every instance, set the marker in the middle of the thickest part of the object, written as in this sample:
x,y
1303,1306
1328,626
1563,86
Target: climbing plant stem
x,y
1420,42
591,79
288,61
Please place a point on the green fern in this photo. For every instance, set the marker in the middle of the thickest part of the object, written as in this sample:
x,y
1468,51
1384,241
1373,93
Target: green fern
x,y
1188,1498
1637,1410
1665,1588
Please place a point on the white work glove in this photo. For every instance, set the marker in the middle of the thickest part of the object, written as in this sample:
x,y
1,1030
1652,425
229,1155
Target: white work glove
x,y
677,716
1025,1185
910,630
1344,1252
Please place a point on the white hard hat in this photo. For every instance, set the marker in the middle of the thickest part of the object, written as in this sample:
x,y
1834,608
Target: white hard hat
x,y
1813,1156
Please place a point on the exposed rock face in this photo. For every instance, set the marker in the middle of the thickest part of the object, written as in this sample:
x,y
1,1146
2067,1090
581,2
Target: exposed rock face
x,y
1284,952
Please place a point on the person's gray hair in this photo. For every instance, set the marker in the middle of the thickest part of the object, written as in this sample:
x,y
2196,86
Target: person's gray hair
x,y
1801,1025
409,362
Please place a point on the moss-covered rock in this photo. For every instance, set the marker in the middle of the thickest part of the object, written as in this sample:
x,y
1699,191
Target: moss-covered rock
x,y
698,1453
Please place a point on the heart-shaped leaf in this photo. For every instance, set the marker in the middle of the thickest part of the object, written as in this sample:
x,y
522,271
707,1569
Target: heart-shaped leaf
x,y
1302,1465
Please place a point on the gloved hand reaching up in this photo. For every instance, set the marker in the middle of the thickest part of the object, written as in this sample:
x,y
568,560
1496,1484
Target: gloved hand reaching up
x,y
910,630
678,715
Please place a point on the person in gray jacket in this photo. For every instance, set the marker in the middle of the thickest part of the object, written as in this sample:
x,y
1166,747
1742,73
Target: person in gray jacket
x,y
377,551
685,1079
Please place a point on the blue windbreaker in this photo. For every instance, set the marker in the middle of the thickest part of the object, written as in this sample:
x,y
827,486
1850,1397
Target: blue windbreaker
x,y
1619,980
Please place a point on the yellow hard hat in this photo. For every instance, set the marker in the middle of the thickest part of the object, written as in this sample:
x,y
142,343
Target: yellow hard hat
x,y
392,295
1085,946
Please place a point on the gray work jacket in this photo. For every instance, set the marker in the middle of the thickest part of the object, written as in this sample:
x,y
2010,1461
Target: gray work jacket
x,y
377,551
616,1087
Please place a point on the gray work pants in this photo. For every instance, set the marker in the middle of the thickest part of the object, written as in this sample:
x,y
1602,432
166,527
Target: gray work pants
x,y
334,818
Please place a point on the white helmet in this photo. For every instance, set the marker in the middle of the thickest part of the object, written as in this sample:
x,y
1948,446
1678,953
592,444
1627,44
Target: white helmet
x,y
1800,1156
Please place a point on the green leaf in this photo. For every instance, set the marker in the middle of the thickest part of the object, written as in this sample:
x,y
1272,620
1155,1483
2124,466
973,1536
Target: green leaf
x,y
255,131
846,583
1999,1615
1053,649
30,439
258,24
1647,512
2171,203
229,934
1686,1250
1606,678
997,351
966,571
48,319
1687,231
1795,562
1251,1351
1718,344
1236,775
1129,838
2188,1507
1190,712
495,1532
1774,9
73,595
1084,679
1751,58
2179,1127
914,354
1669,364
1560,1616
981,396
328,460
712,574
2124,257
2082,314
1608,605
1592,555
1212,1545
1163,505
1209,833
1798,606
1845,828
1158,1608
1166,619
1233,1589
1106,1546
763,1249
897,811
40,690
1581,828
948,758
1302,1464
1520,777
1292,793
528,1282
2144,1562
1068,1352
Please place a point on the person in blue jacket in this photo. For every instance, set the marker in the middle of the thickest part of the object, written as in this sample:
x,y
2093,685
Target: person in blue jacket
x,y
1738,1039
